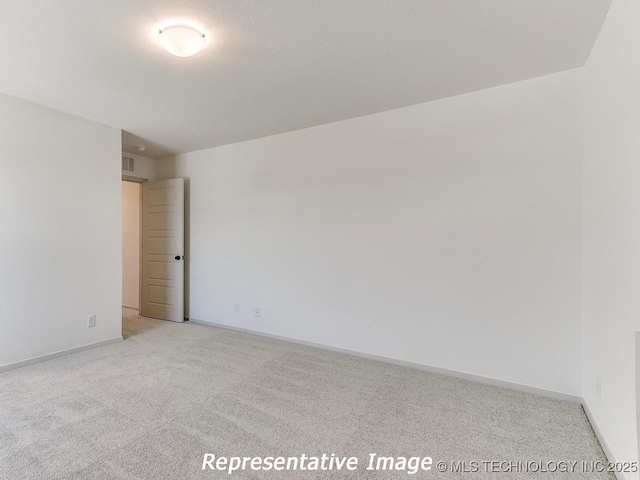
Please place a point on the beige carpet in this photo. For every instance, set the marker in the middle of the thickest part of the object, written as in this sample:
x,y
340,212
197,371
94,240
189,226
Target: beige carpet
x,y
153,405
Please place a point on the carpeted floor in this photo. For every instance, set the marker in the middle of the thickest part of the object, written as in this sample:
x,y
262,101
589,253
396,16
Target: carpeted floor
x,y
153,405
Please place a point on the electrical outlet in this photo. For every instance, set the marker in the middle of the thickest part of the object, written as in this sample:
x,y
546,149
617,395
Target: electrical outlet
x,y
598,387
236,308
91,321
256,312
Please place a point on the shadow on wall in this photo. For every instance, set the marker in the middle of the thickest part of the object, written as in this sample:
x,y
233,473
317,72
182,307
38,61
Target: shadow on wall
x,y
638,389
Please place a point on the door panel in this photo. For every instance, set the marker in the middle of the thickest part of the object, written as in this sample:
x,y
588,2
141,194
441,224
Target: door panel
x,y
162,282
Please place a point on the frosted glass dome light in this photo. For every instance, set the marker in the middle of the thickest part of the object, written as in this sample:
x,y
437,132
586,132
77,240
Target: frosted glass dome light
x,y
181,41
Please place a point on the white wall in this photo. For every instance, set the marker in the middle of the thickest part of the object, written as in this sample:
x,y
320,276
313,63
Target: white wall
x,y
611,259
60,231
446,233
131,245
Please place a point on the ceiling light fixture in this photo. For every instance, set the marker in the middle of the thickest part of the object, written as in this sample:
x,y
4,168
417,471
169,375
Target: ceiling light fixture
x,y
181,40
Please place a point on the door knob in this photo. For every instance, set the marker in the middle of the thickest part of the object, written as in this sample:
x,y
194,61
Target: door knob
x,y
177,257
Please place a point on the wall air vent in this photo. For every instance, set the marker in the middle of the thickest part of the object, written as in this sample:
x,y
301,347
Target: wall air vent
x,y
128,164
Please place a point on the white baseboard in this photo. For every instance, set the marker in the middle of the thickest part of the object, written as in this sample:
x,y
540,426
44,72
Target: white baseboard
x,y
129,307
600,437
420,366
44,358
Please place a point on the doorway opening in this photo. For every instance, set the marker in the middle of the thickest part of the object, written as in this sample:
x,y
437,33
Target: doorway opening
x,y
131,246
153,249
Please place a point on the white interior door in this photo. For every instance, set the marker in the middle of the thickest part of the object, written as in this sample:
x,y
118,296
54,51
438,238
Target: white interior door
x,y
162,282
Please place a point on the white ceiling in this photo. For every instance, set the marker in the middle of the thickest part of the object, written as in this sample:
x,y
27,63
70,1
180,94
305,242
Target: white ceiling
x,y
276,65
